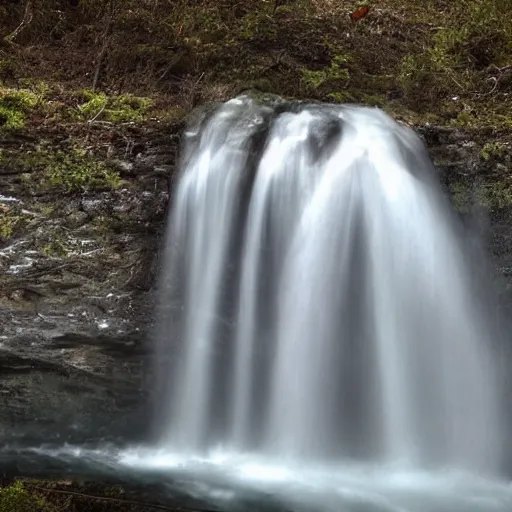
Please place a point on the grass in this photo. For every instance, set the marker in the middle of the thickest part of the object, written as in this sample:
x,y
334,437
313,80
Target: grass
x,y
445,62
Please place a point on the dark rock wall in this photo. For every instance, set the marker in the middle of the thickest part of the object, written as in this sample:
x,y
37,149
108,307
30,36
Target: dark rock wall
x,y
75,323
75,295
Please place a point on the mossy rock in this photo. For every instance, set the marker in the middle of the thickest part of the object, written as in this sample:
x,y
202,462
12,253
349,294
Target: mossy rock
x,y
67,169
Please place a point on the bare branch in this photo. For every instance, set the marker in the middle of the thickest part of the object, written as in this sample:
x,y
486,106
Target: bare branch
x,y
104,47
26,20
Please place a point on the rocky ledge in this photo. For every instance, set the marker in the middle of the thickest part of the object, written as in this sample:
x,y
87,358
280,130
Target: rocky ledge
x,y
77,265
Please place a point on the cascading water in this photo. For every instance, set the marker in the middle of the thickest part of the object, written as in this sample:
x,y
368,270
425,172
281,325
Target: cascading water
x,y
318,302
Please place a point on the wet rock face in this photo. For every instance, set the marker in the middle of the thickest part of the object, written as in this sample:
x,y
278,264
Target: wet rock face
x,y
475,167
76,274
78,269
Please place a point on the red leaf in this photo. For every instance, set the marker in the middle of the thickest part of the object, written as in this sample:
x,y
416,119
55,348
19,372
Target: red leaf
x,y
360,13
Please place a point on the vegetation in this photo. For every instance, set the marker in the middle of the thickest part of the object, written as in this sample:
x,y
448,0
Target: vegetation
x,y
435,60
66,65
119,108
11,221
75,170
69,169
31,495
16,498
14,105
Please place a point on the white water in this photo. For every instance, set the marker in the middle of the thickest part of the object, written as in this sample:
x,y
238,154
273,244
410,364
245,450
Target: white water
x,y
319,308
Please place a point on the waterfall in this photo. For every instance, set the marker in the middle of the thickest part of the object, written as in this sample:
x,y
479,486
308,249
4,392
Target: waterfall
x,y
318,303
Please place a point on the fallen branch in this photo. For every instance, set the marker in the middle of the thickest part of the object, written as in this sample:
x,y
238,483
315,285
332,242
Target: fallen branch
x,y
26,20
118,500
103,51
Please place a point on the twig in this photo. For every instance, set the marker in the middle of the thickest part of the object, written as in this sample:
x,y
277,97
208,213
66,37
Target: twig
x,y
198,80
39,273
104,47
119,500
100,111
455,81
171,64
27,18
496,82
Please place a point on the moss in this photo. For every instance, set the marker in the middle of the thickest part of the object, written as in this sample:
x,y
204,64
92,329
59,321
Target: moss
x,y
12,220
8,68
465,119
341,97
39,88
258,24
66,169
16,498
120,108
496,195
11,119
493,150
76,171
336,72
493,196
420,54
14,106
55,248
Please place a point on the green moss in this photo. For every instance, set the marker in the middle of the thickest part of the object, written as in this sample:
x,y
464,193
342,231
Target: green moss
x,y
16,498
493,196
494,150
76,171
341,97
7,226
11,119
121,108
12,220
496,195
258,24
14,106
37,87
66,169
465,119
336,72
7,68
436,52
55,248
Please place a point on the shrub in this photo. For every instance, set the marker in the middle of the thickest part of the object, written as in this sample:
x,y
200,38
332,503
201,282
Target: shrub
x,y
16,498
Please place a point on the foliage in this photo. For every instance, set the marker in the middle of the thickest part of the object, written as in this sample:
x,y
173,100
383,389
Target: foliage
x,y
55,248
16,498
493,195
497,195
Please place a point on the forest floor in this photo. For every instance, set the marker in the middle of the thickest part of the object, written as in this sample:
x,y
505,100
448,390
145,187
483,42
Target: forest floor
x,y
437,62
